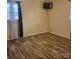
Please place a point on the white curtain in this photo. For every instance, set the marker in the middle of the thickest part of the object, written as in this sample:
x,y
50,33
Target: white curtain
x,y
12,29
12,21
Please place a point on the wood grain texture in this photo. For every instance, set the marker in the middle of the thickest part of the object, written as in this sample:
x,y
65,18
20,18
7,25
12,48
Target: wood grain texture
x,y
41,46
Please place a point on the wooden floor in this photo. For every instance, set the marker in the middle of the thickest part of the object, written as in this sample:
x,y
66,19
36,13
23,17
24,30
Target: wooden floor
x,y
41,46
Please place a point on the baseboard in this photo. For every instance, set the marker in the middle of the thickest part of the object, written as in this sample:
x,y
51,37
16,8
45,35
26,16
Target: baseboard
x,y
61,35
47,32
35,34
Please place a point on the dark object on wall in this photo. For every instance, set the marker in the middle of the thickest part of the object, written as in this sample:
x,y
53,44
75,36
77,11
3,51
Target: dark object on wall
x,y
48,5
69,0
20,20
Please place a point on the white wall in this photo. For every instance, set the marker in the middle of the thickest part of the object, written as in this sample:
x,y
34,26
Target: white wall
x,y
59,18
35,19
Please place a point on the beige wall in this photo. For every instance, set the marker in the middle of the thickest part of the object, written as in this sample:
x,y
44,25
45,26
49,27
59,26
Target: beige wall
x,y
59,18
34,17
36,20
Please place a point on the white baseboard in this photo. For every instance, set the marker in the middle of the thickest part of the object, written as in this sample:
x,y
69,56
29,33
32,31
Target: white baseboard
x,y
34,34
68,37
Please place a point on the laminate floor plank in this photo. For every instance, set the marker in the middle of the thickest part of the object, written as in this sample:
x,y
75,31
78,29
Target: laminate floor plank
x,y
41,46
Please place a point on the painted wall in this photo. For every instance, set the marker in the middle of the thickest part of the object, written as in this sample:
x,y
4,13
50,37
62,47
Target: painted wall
x,y
59,18
35,19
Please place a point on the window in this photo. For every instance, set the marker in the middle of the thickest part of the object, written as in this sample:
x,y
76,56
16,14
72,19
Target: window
x,y
12,11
